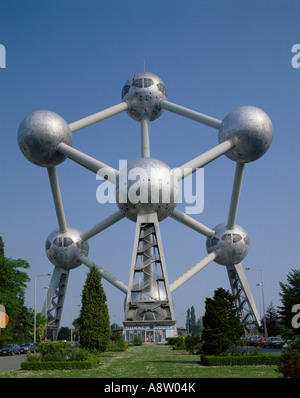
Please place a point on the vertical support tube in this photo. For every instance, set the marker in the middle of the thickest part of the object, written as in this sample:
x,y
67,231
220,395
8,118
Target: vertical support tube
x,y
57,199
145,130
235,196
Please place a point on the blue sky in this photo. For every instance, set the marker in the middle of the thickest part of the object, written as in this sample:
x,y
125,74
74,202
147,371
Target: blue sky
x,y
73,58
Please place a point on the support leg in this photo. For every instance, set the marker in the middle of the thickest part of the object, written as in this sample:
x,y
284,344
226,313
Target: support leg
x,y
244,299
55,300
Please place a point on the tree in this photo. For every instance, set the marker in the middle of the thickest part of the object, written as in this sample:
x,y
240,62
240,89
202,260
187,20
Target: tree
x,y
191,324
94,319
290,295
272,320
13,282
64,333
222,326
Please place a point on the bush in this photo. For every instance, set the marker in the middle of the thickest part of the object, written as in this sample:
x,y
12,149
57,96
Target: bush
x,y
289,364
235,360
38,365
137,340
118,345
60,355
193,344
175,341
55,351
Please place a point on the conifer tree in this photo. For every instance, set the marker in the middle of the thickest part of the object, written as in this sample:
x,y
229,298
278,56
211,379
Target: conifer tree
x,y
221,321
94,318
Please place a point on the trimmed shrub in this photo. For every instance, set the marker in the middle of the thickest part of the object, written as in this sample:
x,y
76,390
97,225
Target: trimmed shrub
x,y
235,360
39,365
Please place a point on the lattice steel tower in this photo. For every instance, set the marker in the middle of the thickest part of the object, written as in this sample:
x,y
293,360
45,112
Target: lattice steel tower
x,y
244,135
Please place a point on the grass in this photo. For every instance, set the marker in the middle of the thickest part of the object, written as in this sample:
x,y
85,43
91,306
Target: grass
x,y
153,361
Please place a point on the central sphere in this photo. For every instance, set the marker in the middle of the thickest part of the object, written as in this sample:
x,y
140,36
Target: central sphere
x,y
64,248
147,186
143,92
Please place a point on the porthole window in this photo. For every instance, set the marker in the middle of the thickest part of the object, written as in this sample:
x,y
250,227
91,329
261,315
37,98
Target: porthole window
x,y
138,83
148,82
162,88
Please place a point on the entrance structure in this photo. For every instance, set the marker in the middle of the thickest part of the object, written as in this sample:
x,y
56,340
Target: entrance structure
x,y
244,135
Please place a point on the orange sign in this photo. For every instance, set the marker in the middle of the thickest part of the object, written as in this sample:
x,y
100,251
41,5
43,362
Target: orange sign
x,y
3,319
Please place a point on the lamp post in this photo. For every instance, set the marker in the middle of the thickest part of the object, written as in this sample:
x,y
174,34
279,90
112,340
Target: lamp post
x,y
263,296
46,306
79,295
34,327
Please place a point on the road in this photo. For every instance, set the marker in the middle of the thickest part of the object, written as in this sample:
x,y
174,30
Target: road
x,y
11,362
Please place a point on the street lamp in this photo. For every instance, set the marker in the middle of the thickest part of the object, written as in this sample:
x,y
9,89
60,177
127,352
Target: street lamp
x,y
79,295
46,306
263,296
34,327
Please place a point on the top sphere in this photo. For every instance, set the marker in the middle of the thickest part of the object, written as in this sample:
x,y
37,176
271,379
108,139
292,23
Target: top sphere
x,y
251,131
39,135
142,92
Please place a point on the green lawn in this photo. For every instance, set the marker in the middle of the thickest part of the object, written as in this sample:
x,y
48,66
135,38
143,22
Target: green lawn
x,y
151,362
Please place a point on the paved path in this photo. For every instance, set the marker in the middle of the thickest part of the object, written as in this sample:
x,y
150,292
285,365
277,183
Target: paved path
x,y
11,362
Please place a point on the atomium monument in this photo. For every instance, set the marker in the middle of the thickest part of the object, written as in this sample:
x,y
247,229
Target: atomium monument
x,y
244,135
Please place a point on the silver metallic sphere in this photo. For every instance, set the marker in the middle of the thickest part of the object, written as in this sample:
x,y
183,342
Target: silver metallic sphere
x,y
142,92
39,135
251,131
64,249
147,186
231,245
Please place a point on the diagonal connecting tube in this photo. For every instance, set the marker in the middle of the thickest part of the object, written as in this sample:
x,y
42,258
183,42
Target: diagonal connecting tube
x,y
88,162
99,116
191,223
200,161
194,115
192,271
101,226
106,275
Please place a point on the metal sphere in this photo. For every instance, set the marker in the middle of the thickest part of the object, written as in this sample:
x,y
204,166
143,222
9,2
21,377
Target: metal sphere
x,y
147,186
143,92
251,131
231,245
39,135
64,249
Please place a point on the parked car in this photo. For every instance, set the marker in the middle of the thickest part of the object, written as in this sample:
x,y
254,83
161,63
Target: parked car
x,y
260,341
273,342
10,349
27,347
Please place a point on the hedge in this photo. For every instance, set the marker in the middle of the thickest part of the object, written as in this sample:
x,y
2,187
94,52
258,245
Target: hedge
x,y
211,360
39,365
